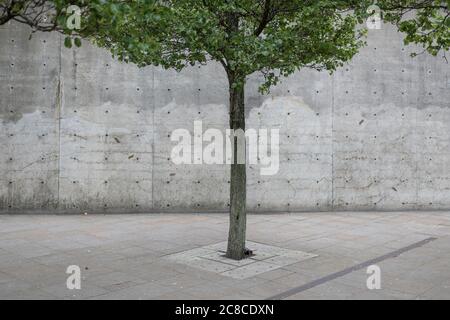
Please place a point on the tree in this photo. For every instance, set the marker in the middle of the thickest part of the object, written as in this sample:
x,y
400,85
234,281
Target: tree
x,y
272,37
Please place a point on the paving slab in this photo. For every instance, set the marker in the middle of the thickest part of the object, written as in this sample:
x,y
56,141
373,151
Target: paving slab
x,y
181,256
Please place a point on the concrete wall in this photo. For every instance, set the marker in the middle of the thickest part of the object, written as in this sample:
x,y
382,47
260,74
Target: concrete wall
x,y
80,132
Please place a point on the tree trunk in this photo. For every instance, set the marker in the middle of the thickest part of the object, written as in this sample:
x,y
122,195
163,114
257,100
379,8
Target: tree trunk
x,y
238,188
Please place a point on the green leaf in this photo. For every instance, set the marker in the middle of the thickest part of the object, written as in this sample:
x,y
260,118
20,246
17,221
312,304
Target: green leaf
x,y
68,42
77,42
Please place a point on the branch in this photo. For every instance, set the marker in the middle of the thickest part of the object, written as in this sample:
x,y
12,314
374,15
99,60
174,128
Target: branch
x,y
266,17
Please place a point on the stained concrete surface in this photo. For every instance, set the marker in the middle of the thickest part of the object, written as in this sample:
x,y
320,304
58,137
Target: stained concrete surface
x,y
81,132
126,256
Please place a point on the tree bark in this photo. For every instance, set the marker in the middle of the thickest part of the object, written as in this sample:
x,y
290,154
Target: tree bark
x,y
238,187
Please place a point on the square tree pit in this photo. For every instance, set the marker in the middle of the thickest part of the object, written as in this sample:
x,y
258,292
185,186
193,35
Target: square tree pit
x,y
265,258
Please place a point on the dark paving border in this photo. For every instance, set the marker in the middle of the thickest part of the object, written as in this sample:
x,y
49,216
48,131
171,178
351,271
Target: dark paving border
x,y
344,272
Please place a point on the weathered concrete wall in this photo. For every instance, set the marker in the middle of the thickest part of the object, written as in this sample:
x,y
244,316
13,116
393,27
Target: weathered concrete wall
x,y
80,132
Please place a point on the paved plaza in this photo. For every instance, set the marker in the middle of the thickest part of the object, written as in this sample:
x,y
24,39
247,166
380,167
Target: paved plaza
x,y
180,256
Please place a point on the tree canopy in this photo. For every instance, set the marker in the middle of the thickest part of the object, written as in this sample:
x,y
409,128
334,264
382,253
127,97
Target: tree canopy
x,y
274,37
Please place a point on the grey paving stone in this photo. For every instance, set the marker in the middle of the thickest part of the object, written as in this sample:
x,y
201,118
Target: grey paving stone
x,y
182,282
60,290
250,270
209,265
267,258
220,257
440,292
144,256
32,294
13,288
409,286
275,274
269,288
146,291
114,280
